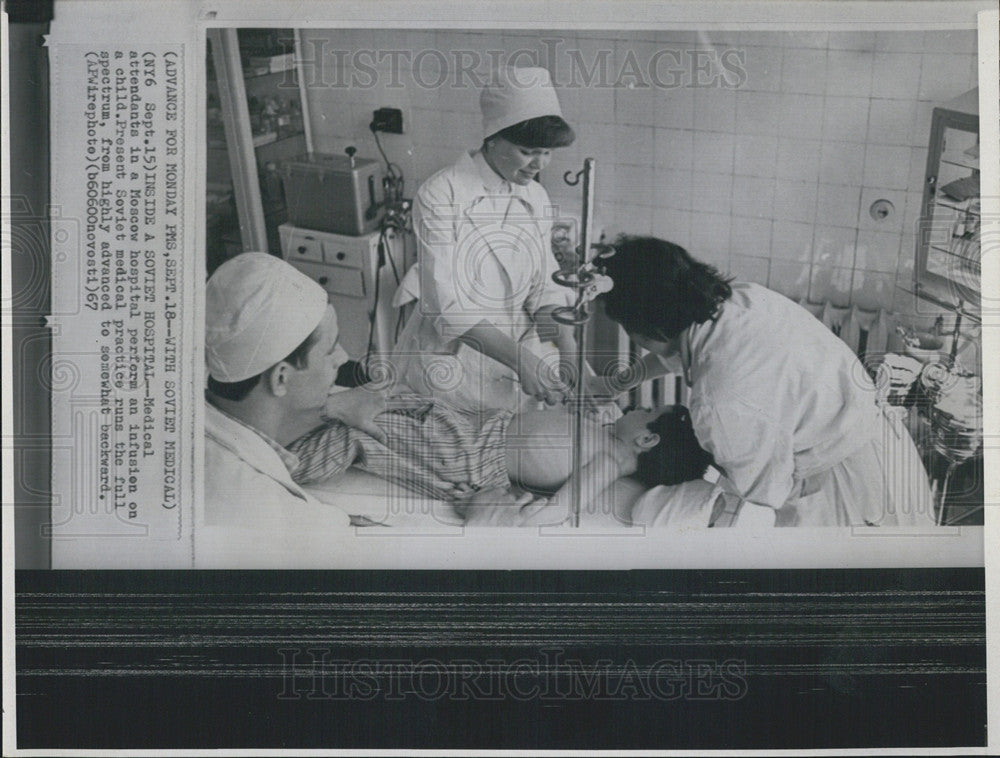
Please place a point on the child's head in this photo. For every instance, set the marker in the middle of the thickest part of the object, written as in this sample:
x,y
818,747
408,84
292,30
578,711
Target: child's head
x,y
676,457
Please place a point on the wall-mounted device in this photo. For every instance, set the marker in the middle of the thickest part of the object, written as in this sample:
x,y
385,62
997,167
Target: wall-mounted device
x,y
334,193
387,120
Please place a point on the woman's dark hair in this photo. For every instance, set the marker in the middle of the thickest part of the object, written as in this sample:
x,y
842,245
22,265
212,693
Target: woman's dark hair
x,y
543,132
299,358
678,457
660,290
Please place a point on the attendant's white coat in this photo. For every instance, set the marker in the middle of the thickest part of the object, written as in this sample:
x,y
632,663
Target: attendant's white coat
x,y
789,413
248,482
485,254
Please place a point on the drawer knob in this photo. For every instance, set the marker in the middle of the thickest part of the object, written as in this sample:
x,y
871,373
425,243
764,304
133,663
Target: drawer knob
x,y
303,249
341,255
324,280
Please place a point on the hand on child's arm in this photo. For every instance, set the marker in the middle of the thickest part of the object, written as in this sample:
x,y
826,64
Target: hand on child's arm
x,y
358,408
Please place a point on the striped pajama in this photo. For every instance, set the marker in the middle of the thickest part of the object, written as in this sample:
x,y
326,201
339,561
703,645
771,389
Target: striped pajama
x,y
431,447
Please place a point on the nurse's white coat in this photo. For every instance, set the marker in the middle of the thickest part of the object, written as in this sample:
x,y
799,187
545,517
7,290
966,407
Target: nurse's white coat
x,y
484,254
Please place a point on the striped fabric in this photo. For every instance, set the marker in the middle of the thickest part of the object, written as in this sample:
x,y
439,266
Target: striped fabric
x,y
431,449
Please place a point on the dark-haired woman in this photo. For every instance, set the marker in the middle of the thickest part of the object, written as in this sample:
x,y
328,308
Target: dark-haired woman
x,y
785,408
485,260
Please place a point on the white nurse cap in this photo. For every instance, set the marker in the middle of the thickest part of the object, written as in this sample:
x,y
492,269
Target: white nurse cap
x,y
258,309
515,95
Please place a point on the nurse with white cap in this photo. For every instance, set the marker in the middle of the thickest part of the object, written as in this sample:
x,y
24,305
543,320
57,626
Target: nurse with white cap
x,y
485,262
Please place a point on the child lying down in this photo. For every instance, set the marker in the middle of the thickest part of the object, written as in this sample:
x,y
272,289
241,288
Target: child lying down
x,y
442,453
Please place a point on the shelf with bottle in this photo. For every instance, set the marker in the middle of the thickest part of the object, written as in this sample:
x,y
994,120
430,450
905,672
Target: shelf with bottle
x,y
273,118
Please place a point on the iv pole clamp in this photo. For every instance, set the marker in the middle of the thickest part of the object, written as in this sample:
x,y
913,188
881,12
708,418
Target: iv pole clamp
x,y
587,281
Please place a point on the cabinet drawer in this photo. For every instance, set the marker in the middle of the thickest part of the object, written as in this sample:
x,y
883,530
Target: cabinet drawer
x,y
339,254
336,280
304,247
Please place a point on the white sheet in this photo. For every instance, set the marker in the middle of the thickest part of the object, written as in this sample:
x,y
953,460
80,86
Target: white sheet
x,y
363,494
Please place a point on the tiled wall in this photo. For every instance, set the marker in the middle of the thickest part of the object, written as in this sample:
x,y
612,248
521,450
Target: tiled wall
x,y
770,180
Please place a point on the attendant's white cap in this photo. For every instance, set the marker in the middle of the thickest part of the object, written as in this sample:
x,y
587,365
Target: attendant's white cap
x,y
515,95
258,309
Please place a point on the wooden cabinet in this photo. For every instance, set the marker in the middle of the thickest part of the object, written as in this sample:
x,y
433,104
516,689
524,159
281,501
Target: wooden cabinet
x,y
947,270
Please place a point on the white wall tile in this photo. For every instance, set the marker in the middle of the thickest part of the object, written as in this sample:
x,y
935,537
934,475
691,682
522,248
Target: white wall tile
x,y
747,268
755,155
675,109
753,196
779,171
676,37
591,61
634,184
943,77
792,241
907,258
845,119
890,122
606,182
595,140
799,116
673,148
673,188
856,41
795,201
950,41
918,169
427,125
710,236
563,159
877,251
713,152
911,212
628,218
837,205
636,106
896,75
893,223
804,70
757,112
760,37
597,104
711,192
900,41
763,69
850,73
750,236
634,145
873,290
805,39
798,159
922,123
789,278
842,163
715,110
887,166
831,285
834,246
672,225
640,68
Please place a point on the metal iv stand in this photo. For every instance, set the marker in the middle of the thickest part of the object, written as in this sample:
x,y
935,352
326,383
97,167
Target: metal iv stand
x,y
588,281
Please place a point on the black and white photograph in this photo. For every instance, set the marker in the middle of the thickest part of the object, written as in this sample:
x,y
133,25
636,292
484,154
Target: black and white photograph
x,y
439,376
